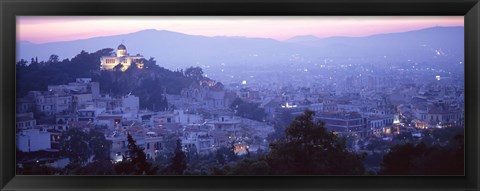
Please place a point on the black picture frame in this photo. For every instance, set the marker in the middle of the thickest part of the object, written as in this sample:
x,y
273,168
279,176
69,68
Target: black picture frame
x,y
11,8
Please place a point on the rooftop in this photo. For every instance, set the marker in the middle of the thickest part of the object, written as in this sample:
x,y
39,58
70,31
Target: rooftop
x,y
24,117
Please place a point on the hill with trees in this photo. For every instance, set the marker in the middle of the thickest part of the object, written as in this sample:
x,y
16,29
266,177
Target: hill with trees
x,y
149,84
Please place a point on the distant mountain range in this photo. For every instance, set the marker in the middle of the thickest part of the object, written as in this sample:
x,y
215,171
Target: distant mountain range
x,y
176,50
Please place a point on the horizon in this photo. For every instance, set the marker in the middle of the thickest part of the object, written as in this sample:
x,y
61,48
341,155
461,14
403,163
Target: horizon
x,y
285,40
49,29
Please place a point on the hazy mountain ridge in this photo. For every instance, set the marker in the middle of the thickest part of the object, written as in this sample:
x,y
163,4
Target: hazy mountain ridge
x,y
414,43
176,50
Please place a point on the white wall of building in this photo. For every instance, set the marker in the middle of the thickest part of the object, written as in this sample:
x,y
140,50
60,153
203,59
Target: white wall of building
x,y
131,103
185,119
33,140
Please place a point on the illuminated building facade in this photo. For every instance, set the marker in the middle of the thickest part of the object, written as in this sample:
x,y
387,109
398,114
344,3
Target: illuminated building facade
x,y
349,123
123,58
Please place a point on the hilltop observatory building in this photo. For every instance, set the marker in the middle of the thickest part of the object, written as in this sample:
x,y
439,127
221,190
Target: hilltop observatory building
x,y
121,57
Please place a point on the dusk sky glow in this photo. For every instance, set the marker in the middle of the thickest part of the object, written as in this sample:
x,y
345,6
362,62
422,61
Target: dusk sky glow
x,y
44,29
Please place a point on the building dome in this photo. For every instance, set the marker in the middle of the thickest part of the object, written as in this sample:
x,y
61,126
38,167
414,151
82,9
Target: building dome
x,y
121,47
121,51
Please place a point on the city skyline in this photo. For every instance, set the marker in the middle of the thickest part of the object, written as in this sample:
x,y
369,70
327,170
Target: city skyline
x,y
45,29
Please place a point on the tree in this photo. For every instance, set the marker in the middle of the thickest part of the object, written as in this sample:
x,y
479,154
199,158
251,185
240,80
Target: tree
x,y
53,58
372,161
79,147
22,63
400,159
100,146
232,156
135,163
118,67
150,63
220,155
194,73
133,69
377,143
248,110
37,169
168,150
192,154
280,125
410,159
148,83
97,168
178,162
236,103
249,166
38,75
75,145
201,165
404,137
309,149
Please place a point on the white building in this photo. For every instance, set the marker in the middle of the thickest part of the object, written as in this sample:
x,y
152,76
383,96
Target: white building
x,y
31,140
89,114
229,124
185,118
380,125
201,140
109,120
344,123
44,102
130,106
437,115
150,142
122,57
25,121
62,121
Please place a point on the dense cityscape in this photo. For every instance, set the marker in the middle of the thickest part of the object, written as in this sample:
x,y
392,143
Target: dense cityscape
x,y
115,113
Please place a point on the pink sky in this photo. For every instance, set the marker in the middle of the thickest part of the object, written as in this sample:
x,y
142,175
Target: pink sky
x,y
43,29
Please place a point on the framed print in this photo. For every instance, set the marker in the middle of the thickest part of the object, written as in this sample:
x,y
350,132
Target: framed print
x,y
248,95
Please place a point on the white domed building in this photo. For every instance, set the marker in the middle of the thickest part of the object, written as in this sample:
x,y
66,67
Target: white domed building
x,y
121,57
